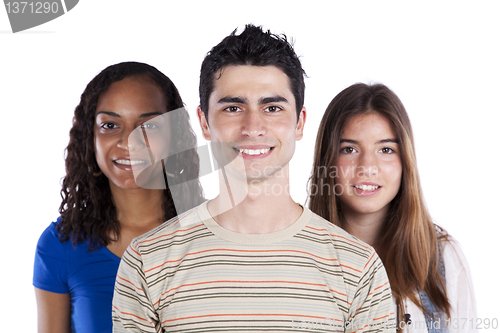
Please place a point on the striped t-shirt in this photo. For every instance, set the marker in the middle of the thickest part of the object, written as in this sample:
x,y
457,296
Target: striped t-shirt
x,y
192,275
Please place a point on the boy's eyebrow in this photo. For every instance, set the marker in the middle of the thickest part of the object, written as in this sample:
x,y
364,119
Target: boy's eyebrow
x,y
243,100
272,99
378,142
233,99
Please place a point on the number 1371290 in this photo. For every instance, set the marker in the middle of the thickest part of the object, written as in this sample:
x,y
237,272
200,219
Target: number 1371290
x,y
472,323
31,7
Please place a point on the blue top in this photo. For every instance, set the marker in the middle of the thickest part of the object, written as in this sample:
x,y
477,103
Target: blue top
x,y
88,276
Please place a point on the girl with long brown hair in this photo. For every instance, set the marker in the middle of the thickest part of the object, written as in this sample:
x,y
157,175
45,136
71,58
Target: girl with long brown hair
x,y
103,205
365,180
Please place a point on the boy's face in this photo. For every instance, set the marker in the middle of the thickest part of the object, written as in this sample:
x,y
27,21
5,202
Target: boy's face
x,y
253,110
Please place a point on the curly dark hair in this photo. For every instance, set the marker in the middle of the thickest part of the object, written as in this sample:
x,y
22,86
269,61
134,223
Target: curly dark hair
x,y
87,209
256,48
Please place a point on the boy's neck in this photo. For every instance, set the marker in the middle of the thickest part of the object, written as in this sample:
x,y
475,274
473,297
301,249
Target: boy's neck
x,y
254,207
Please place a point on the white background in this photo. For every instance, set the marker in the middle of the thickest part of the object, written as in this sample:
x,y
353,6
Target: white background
x,y
441,58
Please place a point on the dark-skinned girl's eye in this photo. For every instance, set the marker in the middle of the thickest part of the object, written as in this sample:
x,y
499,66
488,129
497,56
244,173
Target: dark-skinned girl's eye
x,y
149,126
109,126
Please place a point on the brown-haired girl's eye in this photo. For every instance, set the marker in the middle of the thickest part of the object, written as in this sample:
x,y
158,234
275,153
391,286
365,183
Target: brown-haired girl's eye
x,y
387,150
348,150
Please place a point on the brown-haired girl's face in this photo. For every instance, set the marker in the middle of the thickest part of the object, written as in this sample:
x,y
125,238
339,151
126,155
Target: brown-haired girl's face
x,y
369,165
125,106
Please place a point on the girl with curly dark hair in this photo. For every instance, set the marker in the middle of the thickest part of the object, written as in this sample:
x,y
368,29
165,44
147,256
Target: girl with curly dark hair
x,y
103,207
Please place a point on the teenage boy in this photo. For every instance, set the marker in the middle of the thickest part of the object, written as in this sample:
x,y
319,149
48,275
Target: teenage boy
x,y
251,259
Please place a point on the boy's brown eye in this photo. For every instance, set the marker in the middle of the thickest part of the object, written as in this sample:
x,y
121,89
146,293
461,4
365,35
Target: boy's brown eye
x,y
232,108
273,108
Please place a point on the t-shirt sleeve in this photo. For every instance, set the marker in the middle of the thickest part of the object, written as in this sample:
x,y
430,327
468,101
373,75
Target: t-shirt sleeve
x,y
50,270
133,310
371,308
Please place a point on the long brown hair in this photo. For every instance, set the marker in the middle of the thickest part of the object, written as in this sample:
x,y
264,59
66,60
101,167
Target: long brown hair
x,y
87,209
409,239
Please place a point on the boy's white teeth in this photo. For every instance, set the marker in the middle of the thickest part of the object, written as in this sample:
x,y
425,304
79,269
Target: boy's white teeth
x,y
254,151
366,187
129,162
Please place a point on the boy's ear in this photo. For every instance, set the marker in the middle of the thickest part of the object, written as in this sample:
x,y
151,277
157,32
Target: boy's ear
x,y
299,131
203,124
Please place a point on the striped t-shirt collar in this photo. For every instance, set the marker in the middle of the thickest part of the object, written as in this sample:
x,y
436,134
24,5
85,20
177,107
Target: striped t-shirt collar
x,y
253,239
